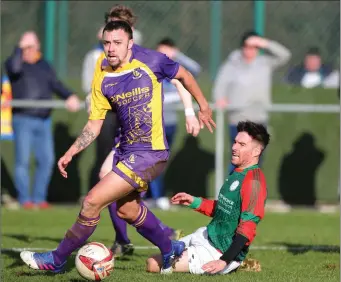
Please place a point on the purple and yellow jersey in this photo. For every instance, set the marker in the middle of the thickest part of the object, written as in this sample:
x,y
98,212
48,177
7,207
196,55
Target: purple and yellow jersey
x,y
134,92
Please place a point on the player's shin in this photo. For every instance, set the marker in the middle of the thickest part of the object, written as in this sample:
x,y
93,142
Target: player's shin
x,y
75,237
149,227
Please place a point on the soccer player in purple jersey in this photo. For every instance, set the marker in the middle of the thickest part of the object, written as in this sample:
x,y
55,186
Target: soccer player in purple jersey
x,y
131,86
122,244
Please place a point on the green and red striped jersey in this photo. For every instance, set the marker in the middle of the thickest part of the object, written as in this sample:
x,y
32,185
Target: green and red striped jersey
x,y
239,208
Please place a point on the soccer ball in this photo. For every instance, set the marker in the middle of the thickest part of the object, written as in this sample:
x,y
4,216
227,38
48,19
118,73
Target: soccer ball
x,y
94,261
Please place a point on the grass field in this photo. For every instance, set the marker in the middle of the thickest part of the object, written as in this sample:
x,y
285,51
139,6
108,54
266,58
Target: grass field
x,y
297,246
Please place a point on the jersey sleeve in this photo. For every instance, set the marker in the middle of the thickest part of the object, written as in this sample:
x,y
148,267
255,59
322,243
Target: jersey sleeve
x,y
253,196
207,207
101,63
99,104
167,68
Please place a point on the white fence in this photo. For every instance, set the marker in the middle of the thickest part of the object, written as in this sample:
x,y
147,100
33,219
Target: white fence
x,y
220,121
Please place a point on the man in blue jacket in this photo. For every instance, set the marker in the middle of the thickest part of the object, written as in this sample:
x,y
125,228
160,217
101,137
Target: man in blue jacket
x,y
32,78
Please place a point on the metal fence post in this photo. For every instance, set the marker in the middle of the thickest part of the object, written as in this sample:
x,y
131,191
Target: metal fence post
x,y
219,152
63,19
215,37
259,16
50,9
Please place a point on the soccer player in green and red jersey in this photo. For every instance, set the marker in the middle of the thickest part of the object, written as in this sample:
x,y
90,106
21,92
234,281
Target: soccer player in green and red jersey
x,y
223,244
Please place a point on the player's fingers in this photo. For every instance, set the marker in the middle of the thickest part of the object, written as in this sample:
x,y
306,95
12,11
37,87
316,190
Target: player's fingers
x,y
196,131
208,126
201,123
206,267
213,123
177,196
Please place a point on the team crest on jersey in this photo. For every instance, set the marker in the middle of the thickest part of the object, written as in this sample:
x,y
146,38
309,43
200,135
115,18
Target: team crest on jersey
x,y
131,159
137,74
234,185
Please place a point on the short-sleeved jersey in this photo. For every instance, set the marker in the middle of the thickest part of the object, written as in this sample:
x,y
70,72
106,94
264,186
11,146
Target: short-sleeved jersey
x,y
134,92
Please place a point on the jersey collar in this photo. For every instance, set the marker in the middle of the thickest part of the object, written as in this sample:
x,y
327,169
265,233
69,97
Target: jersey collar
x,y
246,169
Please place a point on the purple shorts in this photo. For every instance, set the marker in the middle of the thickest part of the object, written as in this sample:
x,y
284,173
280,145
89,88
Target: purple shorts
x,y
139,168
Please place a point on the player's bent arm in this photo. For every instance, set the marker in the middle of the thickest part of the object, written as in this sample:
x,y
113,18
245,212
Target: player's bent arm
x,y
204,206
90,132
190,84
253,195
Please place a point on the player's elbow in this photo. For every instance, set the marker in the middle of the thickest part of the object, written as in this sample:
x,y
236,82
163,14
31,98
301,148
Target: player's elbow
x,y
183,75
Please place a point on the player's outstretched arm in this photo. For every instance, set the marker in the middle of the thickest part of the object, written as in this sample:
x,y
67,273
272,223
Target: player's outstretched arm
x,y
205,113
192,123
204,206
90,132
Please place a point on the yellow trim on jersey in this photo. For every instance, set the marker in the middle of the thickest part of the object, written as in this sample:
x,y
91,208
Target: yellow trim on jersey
x,y
133,176
99,103
158,142
157,134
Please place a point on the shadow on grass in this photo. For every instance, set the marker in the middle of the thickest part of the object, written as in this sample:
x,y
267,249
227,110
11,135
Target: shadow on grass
x,y
30,239
297,249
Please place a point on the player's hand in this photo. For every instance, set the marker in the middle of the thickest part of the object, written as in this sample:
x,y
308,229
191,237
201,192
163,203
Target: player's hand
x,y
88,103
27,39
205,118
214,266
72,103
192,125
63,163
182,199
256,41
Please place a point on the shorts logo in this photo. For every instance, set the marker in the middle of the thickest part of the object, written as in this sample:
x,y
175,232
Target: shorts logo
x,y
234,185
136,74
131,159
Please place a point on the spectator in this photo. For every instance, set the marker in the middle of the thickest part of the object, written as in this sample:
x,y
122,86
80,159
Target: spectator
x,y
168,47
313,73
120,12
245,78
89,64
32,78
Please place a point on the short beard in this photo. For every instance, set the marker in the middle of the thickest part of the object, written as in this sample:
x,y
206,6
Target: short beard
x,y
114,67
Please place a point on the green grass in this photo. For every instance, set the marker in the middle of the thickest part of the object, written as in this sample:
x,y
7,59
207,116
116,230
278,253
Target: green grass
x,y
34,229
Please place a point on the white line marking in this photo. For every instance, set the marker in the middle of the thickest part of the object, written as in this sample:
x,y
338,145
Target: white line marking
x,y
256,248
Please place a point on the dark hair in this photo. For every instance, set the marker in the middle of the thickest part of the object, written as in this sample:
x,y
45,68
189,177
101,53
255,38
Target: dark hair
x,y
314,51
121,12
256,130
246,35
167,41
116,25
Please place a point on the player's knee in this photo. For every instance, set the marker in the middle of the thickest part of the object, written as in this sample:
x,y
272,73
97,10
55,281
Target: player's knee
x,y
152,265
125,214
128,212
90,207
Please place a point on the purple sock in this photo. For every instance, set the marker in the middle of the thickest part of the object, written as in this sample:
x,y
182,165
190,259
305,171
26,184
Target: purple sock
x,y
75,237
119,224
148,225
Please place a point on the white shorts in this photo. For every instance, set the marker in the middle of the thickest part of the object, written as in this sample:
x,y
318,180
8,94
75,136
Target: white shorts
x,y
107,164
200,252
